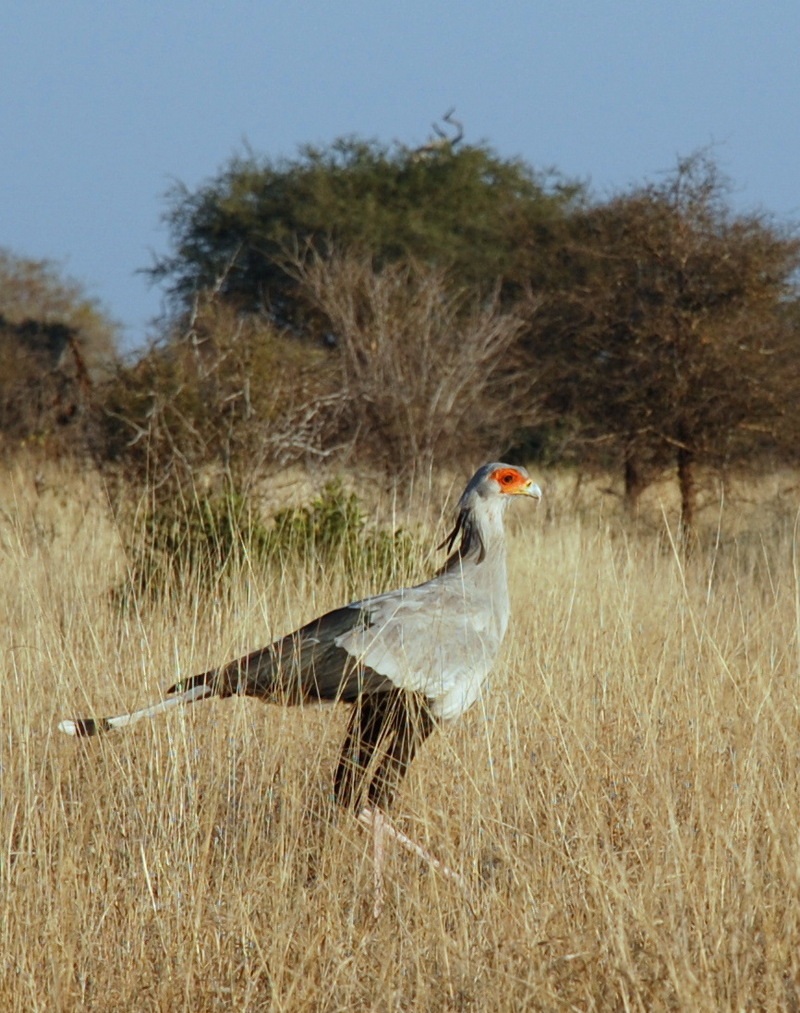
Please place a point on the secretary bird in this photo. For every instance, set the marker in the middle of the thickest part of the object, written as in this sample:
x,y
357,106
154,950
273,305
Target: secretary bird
x,y
405,661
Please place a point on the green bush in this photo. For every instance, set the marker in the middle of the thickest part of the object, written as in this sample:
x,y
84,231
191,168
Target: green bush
x,y
212,536
333,530
176,540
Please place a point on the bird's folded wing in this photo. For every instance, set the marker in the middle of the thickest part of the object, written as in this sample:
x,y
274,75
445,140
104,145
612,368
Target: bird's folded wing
x,y
422,639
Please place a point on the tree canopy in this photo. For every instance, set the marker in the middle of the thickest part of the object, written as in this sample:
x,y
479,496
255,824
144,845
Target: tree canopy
x,y
466,300
463,210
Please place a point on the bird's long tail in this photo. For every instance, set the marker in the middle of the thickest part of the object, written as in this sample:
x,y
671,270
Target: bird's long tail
x,y
188,691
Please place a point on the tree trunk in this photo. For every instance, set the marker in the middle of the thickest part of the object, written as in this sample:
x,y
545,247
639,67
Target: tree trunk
x,y
635,483
686,481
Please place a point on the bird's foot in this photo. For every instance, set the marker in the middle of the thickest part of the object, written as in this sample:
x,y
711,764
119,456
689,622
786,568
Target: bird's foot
x,y
380,825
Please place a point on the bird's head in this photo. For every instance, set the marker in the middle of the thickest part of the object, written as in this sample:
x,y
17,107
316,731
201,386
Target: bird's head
x,y
513,481
482,503
502,480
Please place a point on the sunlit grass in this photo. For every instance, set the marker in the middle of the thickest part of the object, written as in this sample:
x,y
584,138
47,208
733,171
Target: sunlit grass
x,y
623,804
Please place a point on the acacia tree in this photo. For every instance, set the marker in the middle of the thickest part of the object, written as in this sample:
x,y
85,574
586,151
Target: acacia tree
x,y
418,251
460,209
673,343
38,290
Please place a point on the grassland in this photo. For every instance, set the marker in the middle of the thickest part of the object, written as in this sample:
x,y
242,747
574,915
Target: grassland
x,y
624,806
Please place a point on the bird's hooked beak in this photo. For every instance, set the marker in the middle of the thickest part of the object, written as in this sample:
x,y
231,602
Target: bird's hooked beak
x,y
530,488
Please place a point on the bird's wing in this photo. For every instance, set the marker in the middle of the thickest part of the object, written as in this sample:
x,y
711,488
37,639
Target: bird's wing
x,y
425,639
308,664
428,639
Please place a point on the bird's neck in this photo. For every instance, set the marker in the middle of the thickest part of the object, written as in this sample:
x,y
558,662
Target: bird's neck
x,y
480,536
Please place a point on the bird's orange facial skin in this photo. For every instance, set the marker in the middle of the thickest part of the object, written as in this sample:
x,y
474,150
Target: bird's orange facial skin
x,y
510,480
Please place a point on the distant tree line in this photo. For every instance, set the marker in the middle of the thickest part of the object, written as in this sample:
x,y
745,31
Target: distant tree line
x,y
407,307
55,343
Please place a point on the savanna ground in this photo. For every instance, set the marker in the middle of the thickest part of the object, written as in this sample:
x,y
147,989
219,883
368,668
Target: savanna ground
x,y
624,807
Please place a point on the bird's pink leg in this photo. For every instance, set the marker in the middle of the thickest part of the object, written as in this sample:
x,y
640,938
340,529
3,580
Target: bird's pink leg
x,y
380,825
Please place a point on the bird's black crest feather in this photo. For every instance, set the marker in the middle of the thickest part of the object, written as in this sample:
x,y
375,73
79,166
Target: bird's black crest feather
x,y
471,540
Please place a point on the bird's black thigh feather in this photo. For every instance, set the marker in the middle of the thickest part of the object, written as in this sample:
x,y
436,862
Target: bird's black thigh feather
x,y
383,734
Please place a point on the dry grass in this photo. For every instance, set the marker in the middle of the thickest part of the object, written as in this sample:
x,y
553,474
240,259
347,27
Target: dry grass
x,y
624,807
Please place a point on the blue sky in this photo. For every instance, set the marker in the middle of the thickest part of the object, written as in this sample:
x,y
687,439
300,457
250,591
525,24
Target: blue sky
x,y
104,105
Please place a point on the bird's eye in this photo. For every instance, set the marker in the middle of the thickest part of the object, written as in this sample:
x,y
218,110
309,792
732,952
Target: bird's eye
x,y
507,478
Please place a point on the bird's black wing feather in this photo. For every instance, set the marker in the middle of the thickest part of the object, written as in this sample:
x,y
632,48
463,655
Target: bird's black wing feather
x,y
304,666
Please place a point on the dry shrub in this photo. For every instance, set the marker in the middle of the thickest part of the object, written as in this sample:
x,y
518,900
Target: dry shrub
x,y
45,388
228,393
55,343
424,365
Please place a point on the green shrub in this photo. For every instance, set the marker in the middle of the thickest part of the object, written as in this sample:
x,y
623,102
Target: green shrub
x,y
177,540
333,531
212,536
